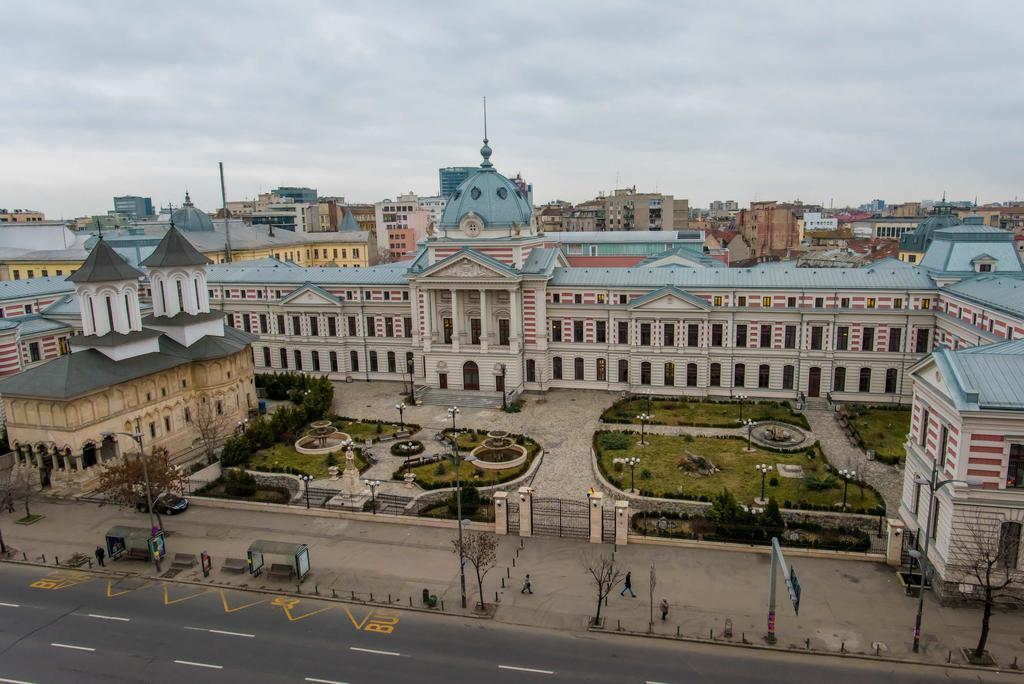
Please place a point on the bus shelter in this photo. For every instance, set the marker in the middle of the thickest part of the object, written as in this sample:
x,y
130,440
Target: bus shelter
x,y
295,555
134,543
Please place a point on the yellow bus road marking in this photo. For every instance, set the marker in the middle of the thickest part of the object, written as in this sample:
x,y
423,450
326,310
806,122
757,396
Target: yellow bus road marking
x,y
59,579
287,604
229,609
378,620
169,601
121,591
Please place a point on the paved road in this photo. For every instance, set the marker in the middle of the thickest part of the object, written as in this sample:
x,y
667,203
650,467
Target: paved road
x,y
79,627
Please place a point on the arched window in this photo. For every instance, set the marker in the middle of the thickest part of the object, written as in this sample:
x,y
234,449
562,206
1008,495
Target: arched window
x,y
890,381
353,359
1008,551
839,379
392,363
623,370
865,380
283,354
787,377
670,374
577,368
602,370
691,375
645,373
739,375
556,368
764,374
531,370
181,295
715,375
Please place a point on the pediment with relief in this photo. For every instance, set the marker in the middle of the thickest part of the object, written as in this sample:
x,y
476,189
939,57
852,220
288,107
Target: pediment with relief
x,y
309,294
669,299
466,268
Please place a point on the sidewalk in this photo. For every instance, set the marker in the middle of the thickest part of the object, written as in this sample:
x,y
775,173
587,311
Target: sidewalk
x,y
846,604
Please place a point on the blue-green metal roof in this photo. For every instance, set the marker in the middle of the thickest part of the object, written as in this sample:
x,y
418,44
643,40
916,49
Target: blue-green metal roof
x,y
495,199
35,324
348,222
226,274
34,287
1003,292
954,250
990,376
672,290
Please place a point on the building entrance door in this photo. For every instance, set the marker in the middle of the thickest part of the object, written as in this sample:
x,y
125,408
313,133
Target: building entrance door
x,y
814,382
442,380
470,376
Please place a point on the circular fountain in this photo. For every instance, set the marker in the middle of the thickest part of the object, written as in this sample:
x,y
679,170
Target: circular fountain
x,y
322,438
777,435
498,451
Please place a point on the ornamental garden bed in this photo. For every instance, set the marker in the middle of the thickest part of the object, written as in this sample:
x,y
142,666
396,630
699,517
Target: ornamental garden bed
x,y
683,411
370,430
443,474
882,429
233,484
283,458
699,468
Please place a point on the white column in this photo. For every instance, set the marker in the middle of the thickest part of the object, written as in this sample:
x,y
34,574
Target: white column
x,y
483,319
456,323
516,317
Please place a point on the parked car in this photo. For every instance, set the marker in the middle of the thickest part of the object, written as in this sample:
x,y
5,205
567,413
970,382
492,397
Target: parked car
x,y
165,504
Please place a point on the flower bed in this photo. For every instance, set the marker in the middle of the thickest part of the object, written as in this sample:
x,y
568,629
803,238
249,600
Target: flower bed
x,y
883,429
442,474
698,413
407,448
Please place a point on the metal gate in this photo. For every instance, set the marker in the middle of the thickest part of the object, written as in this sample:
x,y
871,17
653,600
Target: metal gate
x,y
608,525
513,516
561,518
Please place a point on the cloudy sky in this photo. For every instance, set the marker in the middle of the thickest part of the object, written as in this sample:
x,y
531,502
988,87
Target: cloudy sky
x,y
703,100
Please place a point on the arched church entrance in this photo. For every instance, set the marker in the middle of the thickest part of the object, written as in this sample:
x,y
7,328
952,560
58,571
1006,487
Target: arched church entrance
x,y
470,376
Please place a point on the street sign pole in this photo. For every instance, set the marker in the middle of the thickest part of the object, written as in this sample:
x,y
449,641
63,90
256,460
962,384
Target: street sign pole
x,y
792,585
771,601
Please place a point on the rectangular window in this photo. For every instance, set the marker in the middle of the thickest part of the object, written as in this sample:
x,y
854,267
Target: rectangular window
x,y
577,331
474,331
601,332
766,301
33,351
556,368
389,327
763,376
739,375
668,334
645,334
503,332
926,303
373,362
1015,473
741,300
715,375
764,339
623,332
334,361
921,343
315,358
371,326
817,336
266,357
280,325
297,354
447,330
263,323
556,298
867,339
392,363
577,298
716,334
791,302
819,302
871,302
839,380
895,339
741,335
332,326
787,377
943,445
864,385
353,359
623,370
897,303
842,338
935,519
407,327
556,331
917,498
692,335
600,298
246,323
623,299
352,326
283,356
790,339
844,303
717,300
1008,550
314,326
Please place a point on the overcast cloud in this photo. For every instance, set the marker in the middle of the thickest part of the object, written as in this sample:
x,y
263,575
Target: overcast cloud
x,y
703,100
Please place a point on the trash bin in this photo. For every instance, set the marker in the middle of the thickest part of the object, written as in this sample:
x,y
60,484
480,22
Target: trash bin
x,y
433,601
426,596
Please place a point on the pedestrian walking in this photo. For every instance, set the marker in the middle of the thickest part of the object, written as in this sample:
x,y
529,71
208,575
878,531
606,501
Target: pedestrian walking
x,y
527,585
100,555
628,585
664,608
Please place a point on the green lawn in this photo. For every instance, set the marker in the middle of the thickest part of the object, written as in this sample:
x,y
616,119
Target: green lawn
x,y
700,413
662,455
285,456
884,430
361,432
428,476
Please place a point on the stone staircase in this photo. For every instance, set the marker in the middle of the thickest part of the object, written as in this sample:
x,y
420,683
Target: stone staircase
x,y
816,404
461,398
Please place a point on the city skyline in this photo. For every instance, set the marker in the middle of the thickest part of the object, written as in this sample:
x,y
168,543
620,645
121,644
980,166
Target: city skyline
x,y
839,105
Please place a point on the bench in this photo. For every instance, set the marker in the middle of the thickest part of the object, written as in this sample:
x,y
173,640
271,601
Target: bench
x,y
422,459
136,554
183,560
234,565
281,571
402,434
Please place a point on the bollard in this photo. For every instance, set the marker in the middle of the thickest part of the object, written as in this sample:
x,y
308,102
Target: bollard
x,y
442,605
677,631
496,597
90,563
743,637
949,657
877,646
334,594
410,601
316,589
371,597
712,633
521,543
508,572
353,596
56,560
43,556
389,598
513,562
1014,666
619,627
502,582
24,556
842,647
807,643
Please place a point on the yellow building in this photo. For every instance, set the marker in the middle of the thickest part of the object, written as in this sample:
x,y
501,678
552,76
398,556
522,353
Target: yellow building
x,y
21,216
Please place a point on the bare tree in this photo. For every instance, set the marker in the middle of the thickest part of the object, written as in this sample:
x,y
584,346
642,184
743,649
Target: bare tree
x,y
605,575
211,423
124,483
988,553
16,487
480,549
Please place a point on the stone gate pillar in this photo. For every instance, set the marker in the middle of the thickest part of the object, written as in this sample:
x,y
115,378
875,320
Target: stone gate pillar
x,y
621,523
525,512
500,513
596,518
894,542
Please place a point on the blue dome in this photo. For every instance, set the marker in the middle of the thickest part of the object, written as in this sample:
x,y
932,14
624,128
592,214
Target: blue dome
x,y
190,219
496,200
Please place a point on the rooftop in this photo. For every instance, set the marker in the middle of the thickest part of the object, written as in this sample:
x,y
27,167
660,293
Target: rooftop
x,y
990,376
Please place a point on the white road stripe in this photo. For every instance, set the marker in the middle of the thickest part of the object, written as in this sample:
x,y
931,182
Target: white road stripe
x,y
370,650
189,662
76,648
14,681
525,669
109,617
9,605
311,679
221,631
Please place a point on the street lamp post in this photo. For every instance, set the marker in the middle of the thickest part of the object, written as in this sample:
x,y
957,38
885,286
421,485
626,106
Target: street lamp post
x,y
137,436
410,367
453,412
750,429
764,469
632,462
647,395
847,475
643,418
305,479
401,415
741,398
504,403
374,484
934,484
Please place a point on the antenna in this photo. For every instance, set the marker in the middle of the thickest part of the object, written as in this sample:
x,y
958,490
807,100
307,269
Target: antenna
x,y
224,206
485,118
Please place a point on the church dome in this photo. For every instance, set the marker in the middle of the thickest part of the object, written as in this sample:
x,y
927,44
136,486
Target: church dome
x,y
190,219
492,198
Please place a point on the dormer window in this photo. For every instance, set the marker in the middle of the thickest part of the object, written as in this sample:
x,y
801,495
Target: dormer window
x,y
475,193
984,268
502,193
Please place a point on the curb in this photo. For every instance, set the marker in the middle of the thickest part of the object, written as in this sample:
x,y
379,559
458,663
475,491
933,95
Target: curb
x,y
114,574
812,652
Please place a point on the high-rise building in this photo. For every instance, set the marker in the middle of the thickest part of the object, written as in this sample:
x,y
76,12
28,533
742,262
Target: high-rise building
x,y
134,207
403,222
627,209
297,195
770,228
451,177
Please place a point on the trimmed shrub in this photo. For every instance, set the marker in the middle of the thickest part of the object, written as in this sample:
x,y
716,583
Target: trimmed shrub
x,y
236,452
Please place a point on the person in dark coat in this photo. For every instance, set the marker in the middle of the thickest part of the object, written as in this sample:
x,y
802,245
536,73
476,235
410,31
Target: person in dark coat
x,y
100,555
628,585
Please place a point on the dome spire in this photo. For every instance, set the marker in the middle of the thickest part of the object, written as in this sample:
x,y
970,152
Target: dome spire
x,y
485,151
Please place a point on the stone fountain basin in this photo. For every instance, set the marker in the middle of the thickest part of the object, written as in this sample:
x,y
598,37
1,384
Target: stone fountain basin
x,y
480,457
304,445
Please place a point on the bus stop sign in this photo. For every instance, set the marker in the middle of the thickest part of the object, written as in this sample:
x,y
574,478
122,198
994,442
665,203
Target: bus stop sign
x,y
793,584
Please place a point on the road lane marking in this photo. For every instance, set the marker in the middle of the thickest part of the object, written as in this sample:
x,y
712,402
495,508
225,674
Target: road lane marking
x,y
76,648
525,669
371,650
109,617
194,664
309,679
14,681
221,631
9,605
